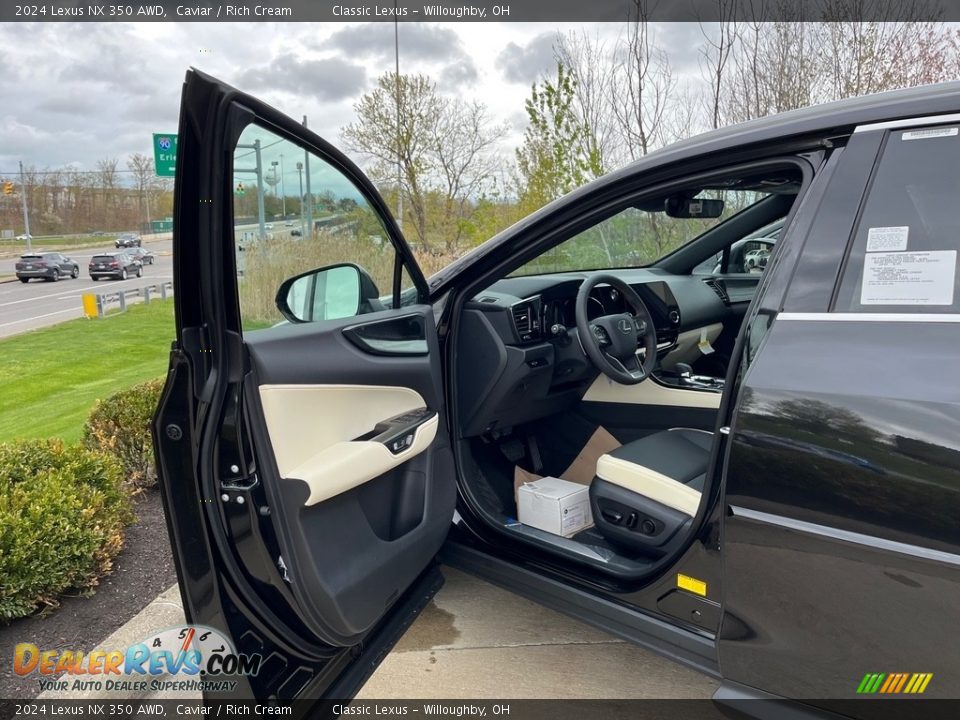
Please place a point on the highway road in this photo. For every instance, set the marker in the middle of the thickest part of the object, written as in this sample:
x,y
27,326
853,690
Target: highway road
x,y
37,303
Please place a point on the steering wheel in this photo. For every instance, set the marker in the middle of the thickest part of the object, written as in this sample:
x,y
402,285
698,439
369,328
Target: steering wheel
x,y
613,342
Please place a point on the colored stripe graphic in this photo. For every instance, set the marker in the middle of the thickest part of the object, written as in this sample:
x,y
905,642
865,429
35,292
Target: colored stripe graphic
x,y
894,683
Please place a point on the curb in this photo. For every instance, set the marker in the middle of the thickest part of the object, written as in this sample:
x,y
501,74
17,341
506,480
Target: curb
x,y
164,611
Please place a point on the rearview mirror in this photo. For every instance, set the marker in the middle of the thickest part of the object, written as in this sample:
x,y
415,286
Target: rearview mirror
x,y
682,207
327,293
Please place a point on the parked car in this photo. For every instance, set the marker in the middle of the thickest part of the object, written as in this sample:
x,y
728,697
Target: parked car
x,y
756,258
143,255
25,236
48,265
790,528
128,240
116,265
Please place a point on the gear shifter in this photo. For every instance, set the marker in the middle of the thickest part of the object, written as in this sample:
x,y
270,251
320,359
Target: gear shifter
x,y
686,377
684,371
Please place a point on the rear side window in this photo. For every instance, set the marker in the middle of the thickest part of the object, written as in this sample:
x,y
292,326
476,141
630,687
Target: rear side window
x,y
903,255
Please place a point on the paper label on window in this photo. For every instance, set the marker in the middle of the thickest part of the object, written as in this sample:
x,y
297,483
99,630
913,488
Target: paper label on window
x,y
887,239
931,133
909,278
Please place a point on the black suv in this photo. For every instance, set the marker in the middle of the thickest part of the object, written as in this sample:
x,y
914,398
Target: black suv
x,y
127,240
116,265
49,265
764,466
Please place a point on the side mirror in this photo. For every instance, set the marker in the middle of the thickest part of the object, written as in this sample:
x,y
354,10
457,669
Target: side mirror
x,y
328,293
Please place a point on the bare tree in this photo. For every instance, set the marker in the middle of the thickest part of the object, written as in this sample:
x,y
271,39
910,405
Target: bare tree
x,y
586,58
141,166
640,92
715,54
441,145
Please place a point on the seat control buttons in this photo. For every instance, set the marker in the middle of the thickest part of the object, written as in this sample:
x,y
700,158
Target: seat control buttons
x,y
612,516
632,520
648,527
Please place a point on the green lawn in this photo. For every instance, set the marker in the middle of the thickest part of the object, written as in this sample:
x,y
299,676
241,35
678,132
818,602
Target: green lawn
x,y
50,378
63,243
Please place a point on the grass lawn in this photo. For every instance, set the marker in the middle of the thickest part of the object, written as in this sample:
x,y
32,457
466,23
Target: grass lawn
x,y
12,248
50,378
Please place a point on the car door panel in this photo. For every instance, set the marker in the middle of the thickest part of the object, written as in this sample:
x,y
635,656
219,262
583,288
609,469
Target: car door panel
x,y
321,400
304,521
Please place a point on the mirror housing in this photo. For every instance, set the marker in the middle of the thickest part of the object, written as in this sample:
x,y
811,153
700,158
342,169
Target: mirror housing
x,y
684,207
328,293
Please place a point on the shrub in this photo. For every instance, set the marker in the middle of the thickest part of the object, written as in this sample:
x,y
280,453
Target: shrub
x,y
120,426
62,515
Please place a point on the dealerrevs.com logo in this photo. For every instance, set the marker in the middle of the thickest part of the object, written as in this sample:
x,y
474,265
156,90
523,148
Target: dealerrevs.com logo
x,y
171,660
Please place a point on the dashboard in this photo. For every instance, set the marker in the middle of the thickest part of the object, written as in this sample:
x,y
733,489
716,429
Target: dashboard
x,y
518,354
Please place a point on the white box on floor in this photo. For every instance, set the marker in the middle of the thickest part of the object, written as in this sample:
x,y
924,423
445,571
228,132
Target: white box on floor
x,y
557,506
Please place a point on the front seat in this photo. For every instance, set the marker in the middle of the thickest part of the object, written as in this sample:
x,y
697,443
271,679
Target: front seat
x,y
646,491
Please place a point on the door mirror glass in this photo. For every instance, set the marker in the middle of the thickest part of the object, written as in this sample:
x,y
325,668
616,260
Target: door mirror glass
x,y
325,294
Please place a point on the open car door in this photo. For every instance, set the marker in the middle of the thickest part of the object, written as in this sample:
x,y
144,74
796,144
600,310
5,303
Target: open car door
x,y
301,441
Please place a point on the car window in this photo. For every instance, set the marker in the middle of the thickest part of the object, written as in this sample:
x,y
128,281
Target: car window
x,y
636,237
293,213
903,253
747,255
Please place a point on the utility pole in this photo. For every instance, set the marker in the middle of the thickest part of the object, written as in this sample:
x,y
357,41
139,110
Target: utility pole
x,y
26,215
309,196
396,77
263,230
283,192
300,173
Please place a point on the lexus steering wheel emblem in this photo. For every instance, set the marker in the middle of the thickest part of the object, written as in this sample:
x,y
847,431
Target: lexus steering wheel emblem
x,y
624,326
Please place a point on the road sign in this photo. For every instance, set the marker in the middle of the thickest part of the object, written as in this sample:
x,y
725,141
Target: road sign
x,y
8,188
165,154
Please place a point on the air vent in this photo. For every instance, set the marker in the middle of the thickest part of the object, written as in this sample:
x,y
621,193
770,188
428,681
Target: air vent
x,y
526,319
522,319
718,287
488,299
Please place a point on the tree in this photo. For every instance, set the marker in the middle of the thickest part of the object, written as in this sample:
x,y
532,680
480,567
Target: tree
x,y
443,147
558,153
715,55
641,90
141,166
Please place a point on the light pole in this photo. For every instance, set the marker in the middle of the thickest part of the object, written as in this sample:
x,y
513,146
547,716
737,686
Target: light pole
x,y
300,173
283,193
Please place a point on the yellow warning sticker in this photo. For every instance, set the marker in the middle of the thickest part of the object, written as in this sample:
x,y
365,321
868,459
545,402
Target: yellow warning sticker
x,y
698,587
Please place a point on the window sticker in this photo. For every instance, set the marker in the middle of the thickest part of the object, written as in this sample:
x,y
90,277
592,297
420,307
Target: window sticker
x,y
931,133
887,239
909,278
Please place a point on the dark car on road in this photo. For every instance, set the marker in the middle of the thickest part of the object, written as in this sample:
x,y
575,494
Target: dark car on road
x,y
116,265
144,256
49,266
763,467
128,240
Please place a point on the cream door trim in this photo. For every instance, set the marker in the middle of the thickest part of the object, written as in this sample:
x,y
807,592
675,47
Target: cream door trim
x,y
649,483
649,392
687,348
304,421
346,465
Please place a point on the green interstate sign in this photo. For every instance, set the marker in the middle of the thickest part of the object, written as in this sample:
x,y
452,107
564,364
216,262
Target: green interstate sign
x,y
165,154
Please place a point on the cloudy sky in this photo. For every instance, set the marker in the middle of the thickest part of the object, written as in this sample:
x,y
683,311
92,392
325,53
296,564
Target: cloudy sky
x,y
76,93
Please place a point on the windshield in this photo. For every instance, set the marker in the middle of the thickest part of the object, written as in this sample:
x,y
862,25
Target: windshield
x,y
637,237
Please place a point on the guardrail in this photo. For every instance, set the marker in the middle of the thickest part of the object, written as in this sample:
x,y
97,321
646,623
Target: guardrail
x,y
97,304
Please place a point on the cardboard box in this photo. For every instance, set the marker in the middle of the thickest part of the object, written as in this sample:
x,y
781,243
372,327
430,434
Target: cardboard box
x,y
554,505
583,467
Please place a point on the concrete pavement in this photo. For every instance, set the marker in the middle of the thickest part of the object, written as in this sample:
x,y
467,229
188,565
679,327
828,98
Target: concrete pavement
x,y
477,641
